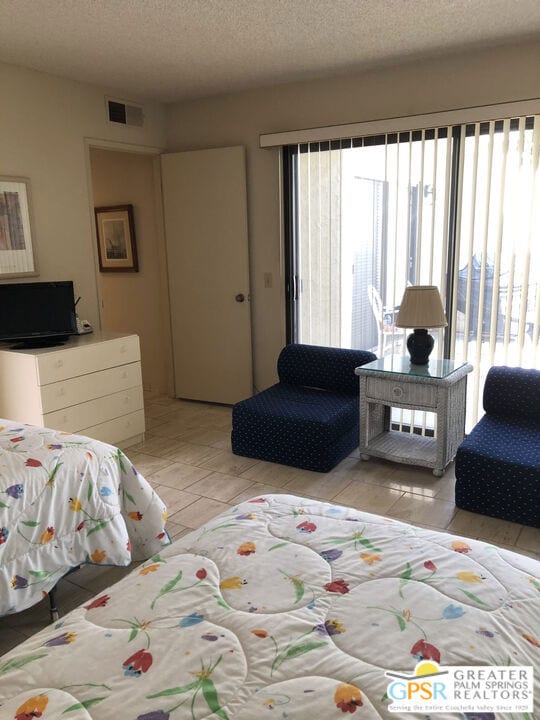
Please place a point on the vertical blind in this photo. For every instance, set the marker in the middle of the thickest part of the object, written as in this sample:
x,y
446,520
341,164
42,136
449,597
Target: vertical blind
x,y
455,207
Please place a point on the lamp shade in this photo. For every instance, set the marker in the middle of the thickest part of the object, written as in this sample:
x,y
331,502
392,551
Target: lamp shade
x,y
421,307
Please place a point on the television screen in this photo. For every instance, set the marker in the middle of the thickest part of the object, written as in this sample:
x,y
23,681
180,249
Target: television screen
x,y
38,312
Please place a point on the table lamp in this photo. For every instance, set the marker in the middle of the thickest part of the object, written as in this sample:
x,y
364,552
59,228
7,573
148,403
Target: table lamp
x,y
420,309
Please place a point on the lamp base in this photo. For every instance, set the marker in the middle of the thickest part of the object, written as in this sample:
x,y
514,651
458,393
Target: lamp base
x,y
420,344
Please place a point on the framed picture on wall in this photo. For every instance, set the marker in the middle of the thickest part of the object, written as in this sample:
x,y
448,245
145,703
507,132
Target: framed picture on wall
x,y
116,239
16,245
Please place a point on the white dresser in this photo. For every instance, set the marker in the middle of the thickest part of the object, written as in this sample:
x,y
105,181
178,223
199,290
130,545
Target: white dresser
x,y
92,385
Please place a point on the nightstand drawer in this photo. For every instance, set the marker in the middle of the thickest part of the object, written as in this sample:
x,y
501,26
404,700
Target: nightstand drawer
x,y
391,391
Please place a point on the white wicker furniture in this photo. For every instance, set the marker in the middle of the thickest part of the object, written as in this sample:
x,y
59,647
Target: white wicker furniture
x,y
439,387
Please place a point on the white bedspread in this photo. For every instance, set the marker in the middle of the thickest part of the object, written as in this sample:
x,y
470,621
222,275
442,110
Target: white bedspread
x,y
281,608
66,500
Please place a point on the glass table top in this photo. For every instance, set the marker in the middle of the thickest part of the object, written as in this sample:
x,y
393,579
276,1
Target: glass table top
x,y
402,364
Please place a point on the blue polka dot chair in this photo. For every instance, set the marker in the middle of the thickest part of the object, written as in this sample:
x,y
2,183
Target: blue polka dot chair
x,y
498,464
310,418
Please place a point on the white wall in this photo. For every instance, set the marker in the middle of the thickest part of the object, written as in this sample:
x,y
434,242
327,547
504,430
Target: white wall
x,y
43,123
463,80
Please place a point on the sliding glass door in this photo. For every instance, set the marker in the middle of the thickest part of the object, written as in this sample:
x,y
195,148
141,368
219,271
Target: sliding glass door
x,y
454,207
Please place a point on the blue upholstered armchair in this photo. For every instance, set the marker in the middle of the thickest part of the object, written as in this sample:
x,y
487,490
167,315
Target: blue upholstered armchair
x,y
498,464
309,419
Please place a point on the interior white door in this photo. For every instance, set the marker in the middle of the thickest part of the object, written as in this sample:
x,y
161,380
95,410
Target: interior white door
x,y
205,212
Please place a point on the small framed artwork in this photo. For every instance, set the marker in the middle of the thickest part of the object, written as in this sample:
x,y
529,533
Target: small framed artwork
x,y
16,244
116,239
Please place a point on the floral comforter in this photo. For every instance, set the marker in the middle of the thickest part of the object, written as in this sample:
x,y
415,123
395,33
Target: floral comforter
x,y
66,500
280,608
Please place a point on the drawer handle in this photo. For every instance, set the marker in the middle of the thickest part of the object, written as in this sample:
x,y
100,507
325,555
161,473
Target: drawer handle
x,y
127,400
122,348
61,392
397,392
59,363
124,375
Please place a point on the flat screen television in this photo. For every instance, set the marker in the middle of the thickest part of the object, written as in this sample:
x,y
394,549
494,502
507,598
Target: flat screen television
x,y
37,314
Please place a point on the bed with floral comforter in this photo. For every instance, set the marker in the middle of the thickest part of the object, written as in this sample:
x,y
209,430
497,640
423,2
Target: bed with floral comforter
x,y
280,608
67,500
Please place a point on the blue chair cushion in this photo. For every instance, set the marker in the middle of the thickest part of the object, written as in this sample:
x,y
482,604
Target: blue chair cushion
x,y
513,392
304,427
322,367
498,469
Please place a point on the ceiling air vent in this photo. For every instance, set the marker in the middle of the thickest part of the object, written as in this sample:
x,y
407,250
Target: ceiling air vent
x,y
121,112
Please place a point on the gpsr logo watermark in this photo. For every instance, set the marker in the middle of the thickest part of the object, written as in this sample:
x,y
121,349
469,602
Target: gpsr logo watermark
x,y
482,688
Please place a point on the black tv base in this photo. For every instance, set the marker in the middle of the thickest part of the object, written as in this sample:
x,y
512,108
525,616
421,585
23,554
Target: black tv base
x,y
40,342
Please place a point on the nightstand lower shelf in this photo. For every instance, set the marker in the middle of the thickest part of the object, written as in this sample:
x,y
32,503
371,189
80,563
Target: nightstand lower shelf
x,y
402,447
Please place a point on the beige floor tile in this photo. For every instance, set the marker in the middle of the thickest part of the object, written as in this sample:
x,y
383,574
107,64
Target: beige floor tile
x,y
220,486
418,481
270,473
176,530
447,488
69,596
486,528
174,426
374,471
174,499
149,395
9,638
178,475
152,423
529,539
256,490
225,462
324,486
217,418
216,412
27,622
96,578
213,438
157,445
147,464
188,412
191,454
152,410
375,499
416,508
222,424
199,512
165,401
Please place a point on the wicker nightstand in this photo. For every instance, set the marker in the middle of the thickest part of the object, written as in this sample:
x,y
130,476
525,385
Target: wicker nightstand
x,y
439,387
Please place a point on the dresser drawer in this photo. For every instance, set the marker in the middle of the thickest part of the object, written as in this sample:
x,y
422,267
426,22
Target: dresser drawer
x,y
402,393
116,431
75,361
76,418
74,391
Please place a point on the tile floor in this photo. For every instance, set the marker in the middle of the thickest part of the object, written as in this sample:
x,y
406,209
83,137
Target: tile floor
x,y
186,456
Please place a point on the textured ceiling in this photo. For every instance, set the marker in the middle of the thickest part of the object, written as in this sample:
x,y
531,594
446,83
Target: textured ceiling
x,y
175,49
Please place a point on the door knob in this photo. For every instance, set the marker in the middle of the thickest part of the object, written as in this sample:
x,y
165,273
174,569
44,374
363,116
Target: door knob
x,y
240,297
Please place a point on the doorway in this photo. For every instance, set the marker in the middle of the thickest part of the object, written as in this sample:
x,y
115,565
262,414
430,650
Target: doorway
x,y
136,301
